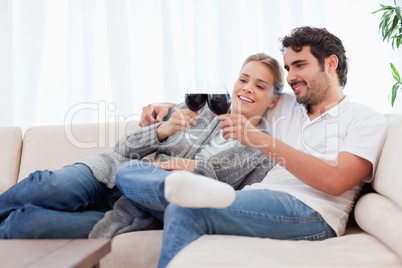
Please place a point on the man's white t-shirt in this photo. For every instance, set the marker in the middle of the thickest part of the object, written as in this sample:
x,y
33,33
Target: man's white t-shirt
x,y
347,127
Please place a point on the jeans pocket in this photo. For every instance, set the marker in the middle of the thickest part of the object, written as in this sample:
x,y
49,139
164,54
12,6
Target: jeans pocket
x,y
313,237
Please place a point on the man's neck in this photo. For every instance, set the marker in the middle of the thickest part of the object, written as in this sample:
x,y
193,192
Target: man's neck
x,y
314,111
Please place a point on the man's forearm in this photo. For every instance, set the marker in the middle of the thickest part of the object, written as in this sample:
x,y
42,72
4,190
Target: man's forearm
x,y
331,177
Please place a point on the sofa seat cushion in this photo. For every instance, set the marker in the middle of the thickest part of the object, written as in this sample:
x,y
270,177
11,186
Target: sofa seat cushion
x,y
136,249
351,250
10,154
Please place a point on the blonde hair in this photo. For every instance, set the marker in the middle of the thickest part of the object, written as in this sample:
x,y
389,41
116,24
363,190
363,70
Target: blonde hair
x,y
273,65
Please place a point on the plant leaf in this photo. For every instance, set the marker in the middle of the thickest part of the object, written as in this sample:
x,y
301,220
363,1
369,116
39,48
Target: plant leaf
x,y
395,73
394,92
398,12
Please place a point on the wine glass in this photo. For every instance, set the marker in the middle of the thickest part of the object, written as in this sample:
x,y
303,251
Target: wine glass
x,y
219,100
197,94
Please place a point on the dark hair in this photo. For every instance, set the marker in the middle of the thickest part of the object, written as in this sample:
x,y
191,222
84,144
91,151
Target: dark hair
x,y
323,44
273,65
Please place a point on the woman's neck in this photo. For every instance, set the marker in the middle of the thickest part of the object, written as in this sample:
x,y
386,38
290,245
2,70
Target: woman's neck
x,y
254,119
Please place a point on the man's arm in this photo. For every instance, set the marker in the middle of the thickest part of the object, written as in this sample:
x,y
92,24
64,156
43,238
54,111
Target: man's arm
x,y
154,113
331,177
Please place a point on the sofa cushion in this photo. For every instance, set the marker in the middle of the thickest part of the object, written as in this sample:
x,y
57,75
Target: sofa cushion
x,y
388,180
352,250
136,249
52,147
10,154
382,218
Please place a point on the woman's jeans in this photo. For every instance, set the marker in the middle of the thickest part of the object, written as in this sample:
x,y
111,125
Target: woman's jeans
x,y
256,213
65,203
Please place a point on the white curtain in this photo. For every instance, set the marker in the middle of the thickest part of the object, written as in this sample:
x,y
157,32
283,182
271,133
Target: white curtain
x,y
78,61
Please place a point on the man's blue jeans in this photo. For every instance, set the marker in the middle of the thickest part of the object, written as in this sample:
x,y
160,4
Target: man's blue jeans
x,y
256,213
65,203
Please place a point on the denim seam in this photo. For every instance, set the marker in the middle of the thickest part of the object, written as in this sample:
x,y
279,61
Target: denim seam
x,y
282,218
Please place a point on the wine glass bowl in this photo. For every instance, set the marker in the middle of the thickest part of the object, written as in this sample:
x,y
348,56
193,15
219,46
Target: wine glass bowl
x,y
197,94
219,100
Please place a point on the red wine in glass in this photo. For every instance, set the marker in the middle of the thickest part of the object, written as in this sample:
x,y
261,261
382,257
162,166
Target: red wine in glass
x,y
197,94
219,103
196,101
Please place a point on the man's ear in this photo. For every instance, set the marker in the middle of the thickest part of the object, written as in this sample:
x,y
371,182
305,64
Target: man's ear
x,y
332,63
274,102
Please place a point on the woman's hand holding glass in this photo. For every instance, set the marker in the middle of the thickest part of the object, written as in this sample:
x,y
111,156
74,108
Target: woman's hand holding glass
x,y
179,121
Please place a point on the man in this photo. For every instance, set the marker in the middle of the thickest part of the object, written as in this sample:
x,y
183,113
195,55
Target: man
x,y
326,147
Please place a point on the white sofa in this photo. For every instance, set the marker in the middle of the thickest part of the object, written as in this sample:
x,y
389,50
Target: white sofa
x,y
375,241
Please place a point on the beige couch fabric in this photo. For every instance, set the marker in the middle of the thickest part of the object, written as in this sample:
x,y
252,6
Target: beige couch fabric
x,y
388,181
52,147
137,250
10,155
352,250
382,218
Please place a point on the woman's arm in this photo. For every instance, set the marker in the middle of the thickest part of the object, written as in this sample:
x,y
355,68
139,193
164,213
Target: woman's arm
x,y
144,141
232,166
179,121
154,113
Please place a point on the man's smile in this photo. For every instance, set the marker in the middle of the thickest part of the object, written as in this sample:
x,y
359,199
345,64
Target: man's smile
x,y
297,85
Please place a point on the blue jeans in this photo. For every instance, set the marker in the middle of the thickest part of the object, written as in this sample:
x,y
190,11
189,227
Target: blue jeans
x,y
65,203
256,213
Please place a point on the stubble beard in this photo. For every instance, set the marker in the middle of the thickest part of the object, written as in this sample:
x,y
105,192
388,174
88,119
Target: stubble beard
x,y
316,90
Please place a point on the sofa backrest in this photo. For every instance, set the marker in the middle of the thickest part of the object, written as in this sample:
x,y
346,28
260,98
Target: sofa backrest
x,y
10,154
388,176
52,147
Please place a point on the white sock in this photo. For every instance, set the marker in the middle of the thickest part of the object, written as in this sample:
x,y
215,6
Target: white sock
x,y
190,190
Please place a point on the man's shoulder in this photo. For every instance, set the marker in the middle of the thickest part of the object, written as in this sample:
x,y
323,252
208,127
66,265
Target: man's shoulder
x,y
286,103
363,113
286,97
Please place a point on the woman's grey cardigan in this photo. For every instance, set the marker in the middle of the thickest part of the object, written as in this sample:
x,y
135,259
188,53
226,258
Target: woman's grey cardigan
x,y
237,166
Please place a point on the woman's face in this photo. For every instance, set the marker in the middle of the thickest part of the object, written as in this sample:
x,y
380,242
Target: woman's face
x,y
253,92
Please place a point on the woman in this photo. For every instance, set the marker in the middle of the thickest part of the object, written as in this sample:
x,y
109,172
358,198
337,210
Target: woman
x,y
255,91
201,149
67,203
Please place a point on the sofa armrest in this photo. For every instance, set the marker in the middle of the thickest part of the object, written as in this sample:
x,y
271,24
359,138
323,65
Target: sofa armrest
x,y
10,155
387,180
382,218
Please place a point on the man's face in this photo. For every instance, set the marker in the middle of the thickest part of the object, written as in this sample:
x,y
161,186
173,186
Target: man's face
x,y
305,76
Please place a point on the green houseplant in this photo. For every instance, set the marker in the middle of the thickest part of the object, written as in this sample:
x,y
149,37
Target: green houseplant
x,y
391,30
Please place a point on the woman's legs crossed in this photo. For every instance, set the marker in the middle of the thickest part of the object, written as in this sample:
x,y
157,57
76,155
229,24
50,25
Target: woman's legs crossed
x,y
31,222
54,197
143,184
70,188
